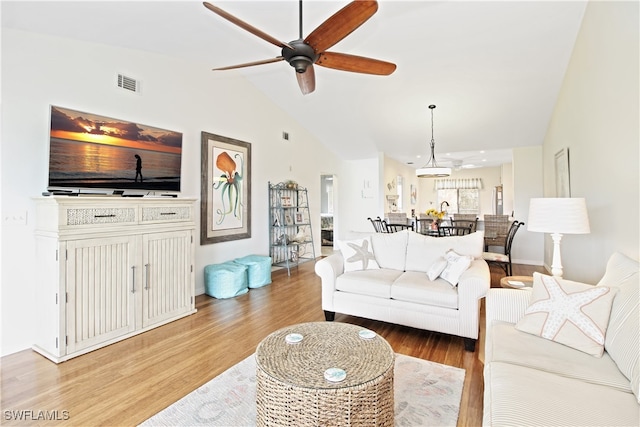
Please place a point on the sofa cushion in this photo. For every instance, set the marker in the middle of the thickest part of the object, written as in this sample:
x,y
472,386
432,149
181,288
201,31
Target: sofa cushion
x,y
571,313
390,249
517,396
507,344
358,255
415,286
623,334
423,251
376,283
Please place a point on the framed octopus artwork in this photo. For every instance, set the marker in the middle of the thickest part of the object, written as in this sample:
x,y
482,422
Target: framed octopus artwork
x,y
225,203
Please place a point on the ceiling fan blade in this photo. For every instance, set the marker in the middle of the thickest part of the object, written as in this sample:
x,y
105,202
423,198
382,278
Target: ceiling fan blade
x,y
341,24
250,64
356,64
253,30
307,80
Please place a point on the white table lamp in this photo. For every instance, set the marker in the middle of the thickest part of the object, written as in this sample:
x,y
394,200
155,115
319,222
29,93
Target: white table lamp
x,y
558,216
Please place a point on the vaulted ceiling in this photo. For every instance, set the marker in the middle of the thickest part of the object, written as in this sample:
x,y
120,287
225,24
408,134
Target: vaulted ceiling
x,y
492,68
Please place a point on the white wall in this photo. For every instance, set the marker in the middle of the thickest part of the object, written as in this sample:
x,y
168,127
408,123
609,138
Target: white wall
x,y
391,170
508,195
359,197
40,70
597,118
528,247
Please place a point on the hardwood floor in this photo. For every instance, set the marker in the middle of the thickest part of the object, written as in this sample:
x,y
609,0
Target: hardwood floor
x,y
127,382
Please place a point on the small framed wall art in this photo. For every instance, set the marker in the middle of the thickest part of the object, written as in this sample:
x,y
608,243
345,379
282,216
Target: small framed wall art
x,y
563,183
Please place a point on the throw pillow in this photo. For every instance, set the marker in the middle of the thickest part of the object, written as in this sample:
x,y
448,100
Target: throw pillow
x,y
436,268
570,313
456,265
358,255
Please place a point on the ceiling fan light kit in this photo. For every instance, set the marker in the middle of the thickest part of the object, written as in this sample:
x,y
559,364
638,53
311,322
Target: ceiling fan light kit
x,y
431,169
301,54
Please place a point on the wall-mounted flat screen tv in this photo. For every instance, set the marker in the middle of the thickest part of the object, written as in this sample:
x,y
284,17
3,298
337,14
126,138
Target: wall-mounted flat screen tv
x,y
88,151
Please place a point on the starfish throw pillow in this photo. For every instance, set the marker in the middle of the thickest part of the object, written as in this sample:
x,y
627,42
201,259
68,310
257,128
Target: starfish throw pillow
x,y
358,255
570,313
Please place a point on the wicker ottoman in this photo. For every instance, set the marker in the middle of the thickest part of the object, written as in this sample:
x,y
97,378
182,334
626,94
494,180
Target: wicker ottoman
x,y
258,269
291,389
226,280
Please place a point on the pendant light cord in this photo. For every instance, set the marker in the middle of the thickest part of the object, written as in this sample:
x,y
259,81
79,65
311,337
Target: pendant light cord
x,y
432,160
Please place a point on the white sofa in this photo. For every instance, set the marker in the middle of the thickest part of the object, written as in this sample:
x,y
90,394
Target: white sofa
x,y
535,381
400,292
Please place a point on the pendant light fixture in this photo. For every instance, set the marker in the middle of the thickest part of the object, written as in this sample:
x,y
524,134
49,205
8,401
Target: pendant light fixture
x,y
431,169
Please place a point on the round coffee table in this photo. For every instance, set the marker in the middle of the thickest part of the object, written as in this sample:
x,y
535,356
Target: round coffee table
x,y
291,388
526,280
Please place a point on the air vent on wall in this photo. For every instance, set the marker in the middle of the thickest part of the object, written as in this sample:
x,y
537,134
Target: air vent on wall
x,y
128,83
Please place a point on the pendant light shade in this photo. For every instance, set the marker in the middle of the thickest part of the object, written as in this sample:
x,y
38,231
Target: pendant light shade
x,y
431,169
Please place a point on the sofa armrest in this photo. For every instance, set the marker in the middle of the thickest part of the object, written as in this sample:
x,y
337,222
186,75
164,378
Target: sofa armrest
x,y
472,287
474,282
329,269
507,305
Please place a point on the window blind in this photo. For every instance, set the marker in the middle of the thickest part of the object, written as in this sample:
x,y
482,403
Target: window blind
x,y
458,184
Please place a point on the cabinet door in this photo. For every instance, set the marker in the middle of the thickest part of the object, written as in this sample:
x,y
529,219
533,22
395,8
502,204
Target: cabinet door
x,y
168,277
101,281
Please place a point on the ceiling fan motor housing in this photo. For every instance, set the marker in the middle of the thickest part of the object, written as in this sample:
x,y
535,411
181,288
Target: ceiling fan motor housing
x,y
301,56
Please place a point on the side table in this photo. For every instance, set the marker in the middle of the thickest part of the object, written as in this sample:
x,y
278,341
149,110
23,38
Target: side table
x,y
526,280
291,388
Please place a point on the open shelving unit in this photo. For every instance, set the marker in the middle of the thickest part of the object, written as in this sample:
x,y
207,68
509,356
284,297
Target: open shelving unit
x,y
290,234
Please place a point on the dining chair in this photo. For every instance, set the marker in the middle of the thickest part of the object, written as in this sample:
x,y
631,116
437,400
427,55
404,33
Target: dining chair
x,y
503,260
453,230
496,228
378,224
469,217
394,228
473,223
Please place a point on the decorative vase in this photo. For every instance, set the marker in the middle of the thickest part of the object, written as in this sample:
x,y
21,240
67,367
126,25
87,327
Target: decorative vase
x,y
434,224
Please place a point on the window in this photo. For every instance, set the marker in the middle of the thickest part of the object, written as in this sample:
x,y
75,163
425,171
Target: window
x,y
462,201
463,195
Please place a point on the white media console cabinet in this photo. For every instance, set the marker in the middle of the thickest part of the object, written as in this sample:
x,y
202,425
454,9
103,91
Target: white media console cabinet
x,y
109,268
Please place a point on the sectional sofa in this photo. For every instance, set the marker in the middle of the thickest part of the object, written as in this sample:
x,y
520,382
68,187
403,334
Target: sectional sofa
x,y
565,353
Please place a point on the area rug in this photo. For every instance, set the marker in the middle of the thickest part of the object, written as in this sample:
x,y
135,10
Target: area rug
x,y
425,393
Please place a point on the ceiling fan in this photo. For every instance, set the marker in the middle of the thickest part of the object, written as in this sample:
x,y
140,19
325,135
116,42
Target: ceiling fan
x,y
301,54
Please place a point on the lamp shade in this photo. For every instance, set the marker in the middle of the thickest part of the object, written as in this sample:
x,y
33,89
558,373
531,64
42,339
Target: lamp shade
x,y
564,215
433,172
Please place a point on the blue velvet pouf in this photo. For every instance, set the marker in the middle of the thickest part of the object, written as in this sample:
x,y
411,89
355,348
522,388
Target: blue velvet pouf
x,y
226,280
259,269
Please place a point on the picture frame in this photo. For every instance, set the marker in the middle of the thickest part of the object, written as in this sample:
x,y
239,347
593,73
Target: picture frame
x,y
563,178
287,219
285,201
225,205
299,218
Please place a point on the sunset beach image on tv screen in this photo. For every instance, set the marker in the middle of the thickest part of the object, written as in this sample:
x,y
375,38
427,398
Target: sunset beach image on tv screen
x,y
92,151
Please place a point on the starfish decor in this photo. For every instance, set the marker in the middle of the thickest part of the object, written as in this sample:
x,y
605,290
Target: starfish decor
x,y
362,254
562,307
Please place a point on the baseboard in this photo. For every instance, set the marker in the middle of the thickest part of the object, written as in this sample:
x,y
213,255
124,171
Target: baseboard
x,y
528,262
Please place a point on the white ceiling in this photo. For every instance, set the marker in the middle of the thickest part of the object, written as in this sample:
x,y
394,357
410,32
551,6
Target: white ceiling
x,y
493,69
